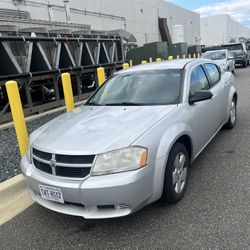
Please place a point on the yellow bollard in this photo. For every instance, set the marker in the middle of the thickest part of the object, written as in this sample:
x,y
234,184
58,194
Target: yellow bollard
x,y
101,75
67,91
125,66
199,55
150,59
189,56
144,62
130,63
184,56
194,56
158,59
178,57
17,115
170,58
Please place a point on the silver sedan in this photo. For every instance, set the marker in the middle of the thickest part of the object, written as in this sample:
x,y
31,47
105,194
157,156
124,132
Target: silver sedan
x,y
133,141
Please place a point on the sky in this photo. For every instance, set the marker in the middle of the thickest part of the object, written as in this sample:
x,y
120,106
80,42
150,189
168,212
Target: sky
x,y
238,9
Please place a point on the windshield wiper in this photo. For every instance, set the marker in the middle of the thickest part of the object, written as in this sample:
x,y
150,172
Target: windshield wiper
x,y
92,104
124,104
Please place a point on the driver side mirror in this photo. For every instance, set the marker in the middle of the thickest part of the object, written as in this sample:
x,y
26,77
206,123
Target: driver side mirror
x,y
199,96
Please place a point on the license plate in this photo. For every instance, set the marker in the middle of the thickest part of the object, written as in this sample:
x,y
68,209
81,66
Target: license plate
x,y
51,193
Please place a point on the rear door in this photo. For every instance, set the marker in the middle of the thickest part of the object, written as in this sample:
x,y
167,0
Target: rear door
x,y
217,87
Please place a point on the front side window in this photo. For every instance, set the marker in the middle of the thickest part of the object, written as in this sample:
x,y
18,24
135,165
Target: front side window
x,y
198,80
213,73
230,55
151,87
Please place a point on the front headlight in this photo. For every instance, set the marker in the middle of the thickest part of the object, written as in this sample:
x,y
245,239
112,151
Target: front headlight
x,y
121,160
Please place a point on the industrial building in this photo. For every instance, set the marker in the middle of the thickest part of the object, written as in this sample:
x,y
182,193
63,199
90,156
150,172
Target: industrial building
x,y
221,29
139,17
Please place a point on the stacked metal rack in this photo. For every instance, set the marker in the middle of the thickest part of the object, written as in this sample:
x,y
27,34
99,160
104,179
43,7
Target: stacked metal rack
x,y
37,62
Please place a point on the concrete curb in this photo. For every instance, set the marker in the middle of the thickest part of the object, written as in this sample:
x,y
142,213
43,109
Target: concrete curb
x,y
14,198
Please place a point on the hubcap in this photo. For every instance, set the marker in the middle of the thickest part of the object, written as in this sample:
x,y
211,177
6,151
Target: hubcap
x,y
233,112
179,173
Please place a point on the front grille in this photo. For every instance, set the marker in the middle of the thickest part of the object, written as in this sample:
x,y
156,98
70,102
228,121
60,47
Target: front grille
x,y
75,159
72,172
71,166
42,166
42,155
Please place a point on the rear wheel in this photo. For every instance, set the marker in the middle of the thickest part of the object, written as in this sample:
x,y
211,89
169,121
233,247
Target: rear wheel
x,y
232,115
176,174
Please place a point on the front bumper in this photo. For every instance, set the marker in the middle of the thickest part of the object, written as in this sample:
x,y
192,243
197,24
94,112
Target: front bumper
x,y
94,197
240,60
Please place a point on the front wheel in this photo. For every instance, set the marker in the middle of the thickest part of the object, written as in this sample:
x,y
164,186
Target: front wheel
x,y
232,115
176,174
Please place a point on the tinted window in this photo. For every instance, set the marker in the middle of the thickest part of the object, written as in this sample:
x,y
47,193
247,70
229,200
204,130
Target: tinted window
x,y
152,87
198,80
213,73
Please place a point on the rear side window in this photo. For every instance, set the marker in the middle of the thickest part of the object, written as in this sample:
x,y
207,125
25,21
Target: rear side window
x,y
213,73
198,81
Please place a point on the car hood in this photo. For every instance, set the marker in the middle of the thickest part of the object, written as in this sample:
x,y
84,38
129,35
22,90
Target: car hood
x,y
97,129
221,62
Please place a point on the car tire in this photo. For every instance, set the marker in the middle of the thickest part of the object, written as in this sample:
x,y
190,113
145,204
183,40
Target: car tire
x,y
176,174
232,115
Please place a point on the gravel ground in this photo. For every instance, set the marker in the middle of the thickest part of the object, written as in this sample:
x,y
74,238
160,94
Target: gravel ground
x,y
9,151
214,214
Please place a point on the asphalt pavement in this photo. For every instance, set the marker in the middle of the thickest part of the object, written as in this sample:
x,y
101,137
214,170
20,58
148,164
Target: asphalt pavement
x,y
214,214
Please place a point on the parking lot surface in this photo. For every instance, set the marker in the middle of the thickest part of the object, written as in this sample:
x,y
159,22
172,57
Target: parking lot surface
x,y
214,214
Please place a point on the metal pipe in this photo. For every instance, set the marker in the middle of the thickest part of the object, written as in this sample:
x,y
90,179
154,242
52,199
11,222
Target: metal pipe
x,y
58,39
47,72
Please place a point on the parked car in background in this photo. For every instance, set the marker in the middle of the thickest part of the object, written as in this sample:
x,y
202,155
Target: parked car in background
x,y
132,142
240,53
223,58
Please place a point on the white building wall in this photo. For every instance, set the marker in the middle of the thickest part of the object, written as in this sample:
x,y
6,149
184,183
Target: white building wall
x,y
216,30
140,16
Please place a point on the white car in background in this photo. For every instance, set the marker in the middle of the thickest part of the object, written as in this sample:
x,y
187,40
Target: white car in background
x,y
224,58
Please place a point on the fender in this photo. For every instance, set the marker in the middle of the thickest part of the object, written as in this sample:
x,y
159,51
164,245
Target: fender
x,y
167,141
232,92
229,80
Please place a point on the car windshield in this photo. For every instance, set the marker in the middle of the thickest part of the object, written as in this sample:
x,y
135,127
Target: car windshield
x,y
233,47
218,55
152,87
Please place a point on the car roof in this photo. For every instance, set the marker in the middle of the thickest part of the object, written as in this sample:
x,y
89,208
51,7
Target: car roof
x,y
175,64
